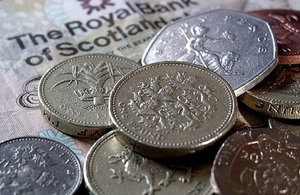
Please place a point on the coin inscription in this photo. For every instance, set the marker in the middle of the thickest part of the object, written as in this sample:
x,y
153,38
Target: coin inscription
x,y
172,105
259,161
239,47
74,93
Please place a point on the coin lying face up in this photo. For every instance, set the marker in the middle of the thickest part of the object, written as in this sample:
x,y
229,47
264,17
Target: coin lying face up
x,y
111,168
170,109
74,93
258,161
35,165
239,47
286,26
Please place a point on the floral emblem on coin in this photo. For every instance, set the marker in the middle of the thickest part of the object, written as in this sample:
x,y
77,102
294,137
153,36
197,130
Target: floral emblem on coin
x,y
136,168
96,76
173,103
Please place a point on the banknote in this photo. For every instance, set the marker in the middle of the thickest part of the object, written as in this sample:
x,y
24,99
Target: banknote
x,y
37,34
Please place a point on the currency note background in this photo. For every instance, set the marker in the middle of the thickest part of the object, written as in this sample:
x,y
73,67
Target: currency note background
x,y
36,35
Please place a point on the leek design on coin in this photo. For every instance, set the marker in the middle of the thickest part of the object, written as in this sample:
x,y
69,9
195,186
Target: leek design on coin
x,y
239,47
34,165
74,94
277,95
258,161
111,168
170,109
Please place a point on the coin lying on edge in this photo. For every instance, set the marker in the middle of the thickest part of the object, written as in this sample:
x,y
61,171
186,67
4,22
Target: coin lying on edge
x,y
74,93
286,26
111,168
171,109
277,95
239,47
258,161
35,165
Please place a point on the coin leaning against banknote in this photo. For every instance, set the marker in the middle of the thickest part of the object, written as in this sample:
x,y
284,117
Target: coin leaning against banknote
x,y
35,165
239,47
74,93
170,109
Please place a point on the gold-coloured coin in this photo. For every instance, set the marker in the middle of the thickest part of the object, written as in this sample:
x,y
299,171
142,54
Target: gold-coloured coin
x,y
278,95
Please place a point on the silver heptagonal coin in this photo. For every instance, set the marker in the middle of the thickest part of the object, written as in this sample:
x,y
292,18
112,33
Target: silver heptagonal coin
x,y
35,165
258,161
239,47
74,93
111,168
170,109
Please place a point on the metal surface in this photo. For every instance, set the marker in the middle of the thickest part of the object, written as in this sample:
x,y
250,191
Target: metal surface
x,y
258,161
74,93
285,124
113,169
239,47
286,26
35,165
170,109
278,95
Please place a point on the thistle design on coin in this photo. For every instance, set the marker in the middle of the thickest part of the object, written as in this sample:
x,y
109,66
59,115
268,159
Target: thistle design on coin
x,y
173,102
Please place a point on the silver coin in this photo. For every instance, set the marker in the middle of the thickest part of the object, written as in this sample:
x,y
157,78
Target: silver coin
x,y
170,109
111,168
239,47
285,124
258,161
35,165
74,93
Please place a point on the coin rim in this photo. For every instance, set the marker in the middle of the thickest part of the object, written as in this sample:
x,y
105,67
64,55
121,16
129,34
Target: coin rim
x,y
75,125
255,78
190,145
79,175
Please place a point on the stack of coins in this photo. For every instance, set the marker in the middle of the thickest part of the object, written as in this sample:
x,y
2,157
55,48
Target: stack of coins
x,y
185,122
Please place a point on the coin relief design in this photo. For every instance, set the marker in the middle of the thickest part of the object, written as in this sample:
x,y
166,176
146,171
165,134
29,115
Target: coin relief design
x,y
134,167
171,106
173,103
277,95
259,162
239,47
286,26
31,166
74,93
95,77
198,51
124,171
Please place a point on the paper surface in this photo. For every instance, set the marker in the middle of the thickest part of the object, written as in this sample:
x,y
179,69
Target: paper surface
x,y
36,35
